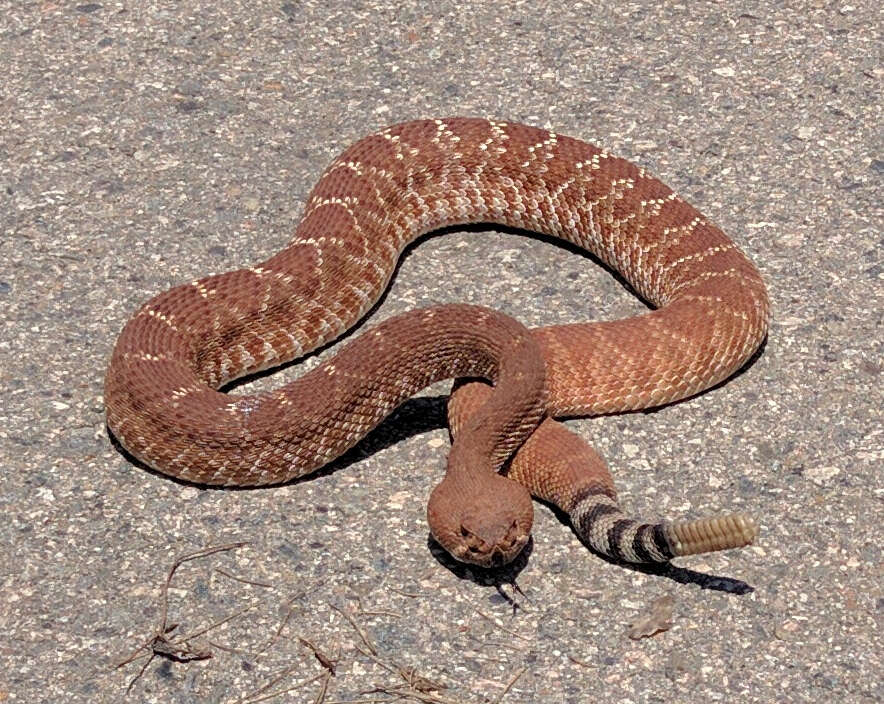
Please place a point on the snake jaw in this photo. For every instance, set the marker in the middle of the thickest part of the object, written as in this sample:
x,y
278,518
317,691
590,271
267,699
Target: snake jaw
x,y
484,542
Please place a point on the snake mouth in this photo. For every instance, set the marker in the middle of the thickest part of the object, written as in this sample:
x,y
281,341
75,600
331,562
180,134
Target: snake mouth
x,y
500,550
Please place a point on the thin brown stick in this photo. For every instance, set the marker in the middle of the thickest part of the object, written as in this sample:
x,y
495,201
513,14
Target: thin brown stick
x,y
381,613
582,663
503,628
419,682
509,685
140,672
205,552
250,699
227,574
323,689
485,643
323,659
415,687
282,624
406,692
134,655
278,677
228,649
213,626
159,644
377,660
358,629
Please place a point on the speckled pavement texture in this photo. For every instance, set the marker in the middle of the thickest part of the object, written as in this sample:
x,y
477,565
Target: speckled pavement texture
x,y
145,144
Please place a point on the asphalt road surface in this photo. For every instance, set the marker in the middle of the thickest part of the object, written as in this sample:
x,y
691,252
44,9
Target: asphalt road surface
x,y
146,144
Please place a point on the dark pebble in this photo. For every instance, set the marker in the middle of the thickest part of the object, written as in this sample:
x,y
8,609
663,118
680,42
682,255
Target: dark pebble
x,y
188,106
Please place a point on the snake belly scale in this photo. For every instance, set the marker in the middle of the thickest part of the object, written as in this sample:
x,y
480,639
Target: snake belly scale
x,y
710,314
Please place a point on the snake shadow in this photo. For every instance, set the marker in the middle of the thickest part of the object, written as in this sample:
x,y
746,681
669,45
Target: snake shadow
x,y
425,413
416,416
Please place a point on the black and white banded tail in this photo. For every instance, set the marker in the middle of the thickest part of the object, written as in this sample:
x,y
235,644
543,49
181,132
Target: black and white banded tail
x,y
600,523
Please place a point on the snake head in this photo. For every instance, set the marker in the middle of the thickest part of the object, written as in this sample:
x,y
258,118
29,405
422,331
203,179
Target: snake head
x,y
487,527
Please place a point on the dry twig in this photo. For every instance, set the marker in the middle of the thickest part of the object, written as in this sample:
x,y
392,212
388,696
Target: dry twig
x,y
227,574
509,685
160,643
501,627
416,686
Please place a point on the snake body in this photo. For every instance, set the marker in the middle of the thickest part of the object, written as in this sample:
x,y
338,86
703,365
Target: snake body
x,y
711,313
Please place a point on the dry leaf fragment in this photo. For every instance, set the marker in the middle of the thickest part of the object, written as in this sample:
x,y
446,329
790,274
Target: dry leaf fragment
x,y
656,620
323,659
421,684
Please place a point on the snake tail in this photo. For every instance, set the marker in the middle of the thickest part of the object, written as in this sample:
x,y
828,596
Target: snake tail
x,y
599,521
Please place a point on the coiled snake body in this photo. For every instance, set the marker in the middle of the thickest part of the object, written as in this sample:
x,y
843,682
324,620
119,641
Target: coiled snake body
x,y
711,313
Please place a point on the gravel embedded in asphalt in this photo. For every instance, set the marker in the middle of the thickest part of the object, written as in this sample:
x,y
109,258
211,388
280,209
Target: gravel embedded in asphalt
x,y
146,145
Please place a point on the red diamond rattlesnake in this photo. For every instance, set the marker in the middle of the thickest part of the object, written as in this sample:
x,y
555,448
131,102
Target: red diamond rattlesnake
x,y
380,194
